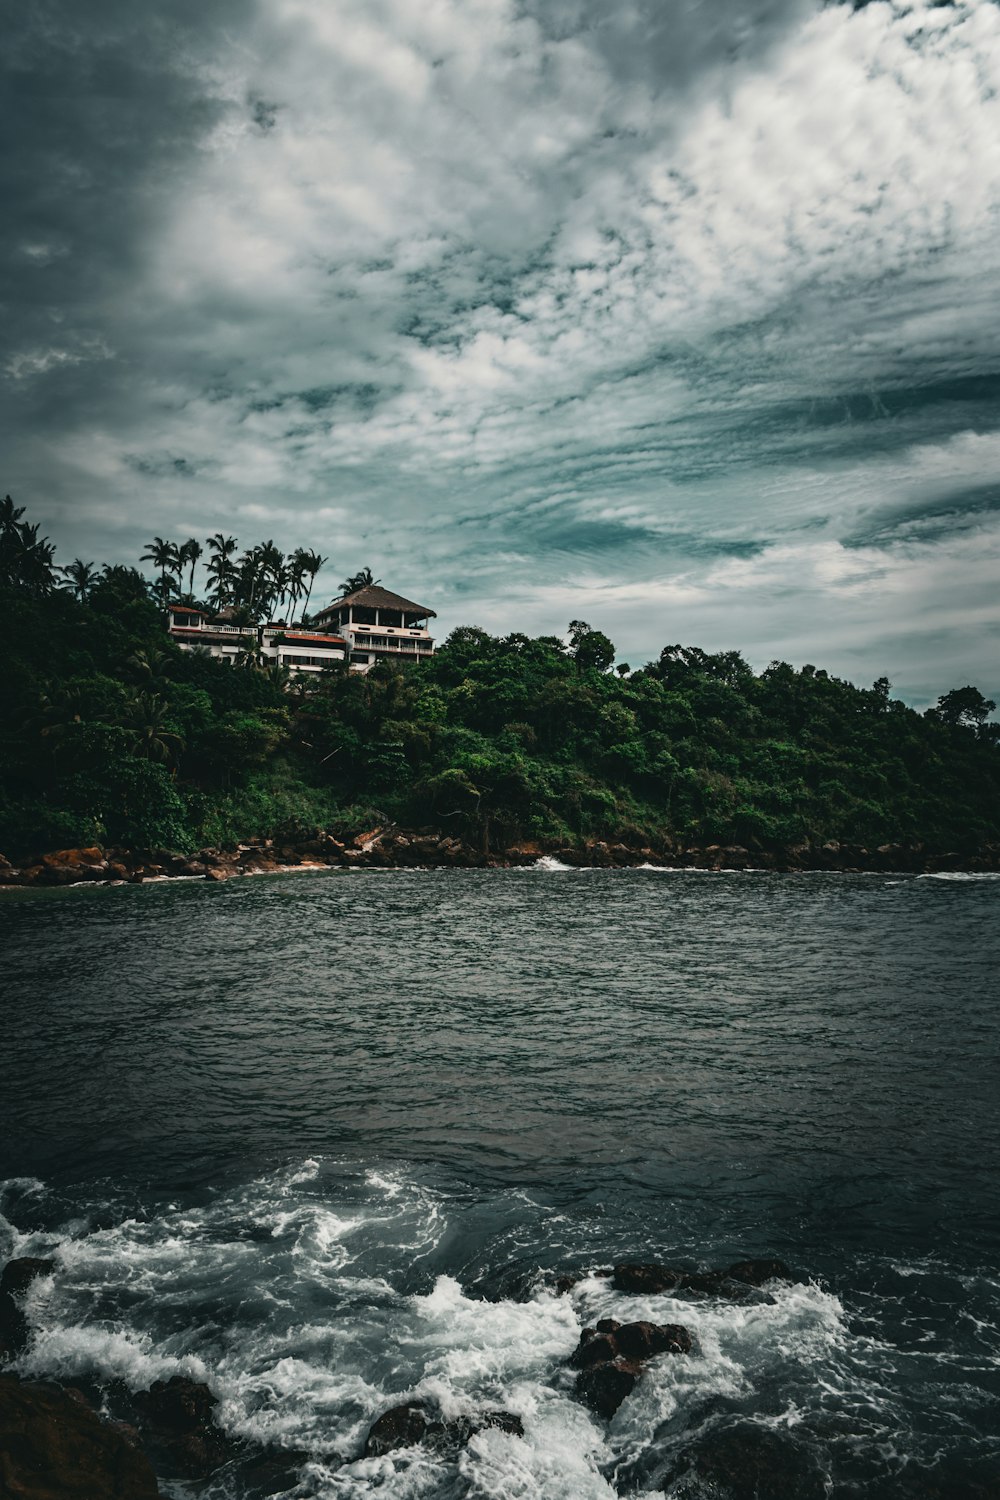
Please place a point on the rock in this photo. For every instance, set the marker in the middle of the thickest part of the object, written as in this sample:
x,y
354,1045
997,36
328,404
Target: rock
x,y
13,1328
18,1274
217,872
650,1280
53,1446
399,1427
756,1272
504,1421
605,1386
178,1416
612,1355
632,1341
407,1425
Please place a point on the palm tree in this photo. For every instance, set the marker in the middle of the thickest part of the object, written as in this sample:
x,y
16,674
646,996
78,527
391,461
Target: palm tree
x,y
188,553
164,589
9,517
145,723
311,564
26,559
147,666
362,580
80,578
221,568
274,576
162,555
58,710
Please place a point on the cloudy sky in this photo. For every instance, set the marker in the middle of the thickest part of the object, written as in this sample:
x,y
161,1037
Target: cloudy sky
x,y
679,316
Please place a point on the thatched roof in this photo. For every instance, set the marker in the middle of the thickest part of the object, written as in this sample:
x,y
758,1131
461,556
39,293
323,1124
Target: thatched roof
x,y
376,597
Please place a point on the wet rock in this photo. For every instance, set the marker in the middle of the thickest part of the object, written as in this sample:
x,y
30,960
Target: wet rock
x,y
18,1274
13,1328
756,1272
612,1355
177,1415
504,1421
54,1446
411,1423
605,1386
399,1427
611,1340
650,1280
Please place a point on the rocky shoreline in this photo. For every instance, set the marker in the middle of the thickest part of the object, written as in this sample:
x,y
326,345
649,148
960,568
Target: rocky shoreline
x,y
61,1442
394,848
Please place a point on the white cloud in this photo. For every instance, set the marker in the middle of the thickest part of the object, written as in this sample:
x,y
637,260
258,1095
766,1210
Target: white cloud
x,y
454,291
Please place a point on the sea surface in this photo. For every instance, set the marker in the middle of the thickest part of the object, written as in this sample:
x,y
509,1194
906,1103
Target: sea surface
x,y
327,1139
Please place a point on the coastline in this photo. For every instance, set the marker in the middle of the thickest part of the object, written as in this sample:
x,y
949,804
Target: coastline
x,y
393,848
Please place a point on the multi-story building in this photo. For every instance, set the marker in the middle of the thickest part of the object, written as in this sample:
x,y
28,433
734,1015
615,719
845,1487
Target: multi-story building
x,y
378,624
370,625
299,650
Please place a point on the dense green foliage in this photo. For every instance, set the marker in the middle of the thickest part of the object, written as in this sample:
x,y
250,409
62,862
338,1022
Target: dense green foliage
x,y
109,733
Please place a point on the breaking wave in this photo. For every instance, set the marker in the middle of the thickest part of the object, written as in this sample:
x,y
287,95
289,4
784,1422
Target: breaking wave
x,y
311,1300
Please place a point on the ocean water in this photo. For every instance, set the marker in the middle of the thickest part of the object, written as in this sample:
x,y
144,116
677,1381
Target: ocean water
x,y
326,1140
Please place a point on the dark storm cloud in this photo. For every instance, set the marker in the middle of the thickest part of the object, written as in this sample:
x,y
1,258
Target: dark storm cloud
x,y
677,314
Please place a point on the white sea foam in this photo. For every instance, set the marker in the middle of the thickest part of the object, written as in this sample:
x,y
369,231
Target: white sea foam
x,y
962,875
295,1309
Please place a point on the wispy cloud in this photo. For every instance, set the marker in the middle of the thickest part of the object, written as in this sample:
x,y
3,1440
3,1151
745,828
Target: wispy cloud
x,y
683,323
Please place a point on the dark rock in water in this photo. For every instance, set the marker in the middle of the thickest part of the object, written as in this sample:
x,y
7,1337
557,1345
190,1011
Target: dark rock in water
x,y
756,1272
13,1328
641,1341
604,1387
399,1427
611,1358
504,1421
747,1463
178,1416
407,1425
652,1279
18,1275
646,1340
53,1446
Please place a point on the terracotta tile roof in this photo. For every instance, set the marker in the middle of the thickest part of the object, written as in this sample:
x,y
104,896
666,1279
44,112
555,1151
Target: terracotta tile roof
x,y
299,639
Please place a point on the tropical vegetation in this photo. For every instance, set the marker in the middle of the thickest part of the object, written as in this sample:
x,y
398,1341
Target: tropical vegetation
x,y
110,733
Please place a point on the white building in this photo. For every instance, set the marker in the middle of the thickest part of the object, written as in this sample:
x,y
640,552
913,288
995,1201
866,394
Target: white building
x,y
302,651
378,624
370,625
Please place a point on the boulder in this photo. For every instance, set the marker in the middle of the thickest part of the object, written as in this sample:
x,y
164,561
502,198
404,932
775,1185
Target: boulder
x,y
54,1446
604,1387
756,1272
612,1355
399,1427
18,1274
13,1328
177,1415
411,1423
649,1280
633,1341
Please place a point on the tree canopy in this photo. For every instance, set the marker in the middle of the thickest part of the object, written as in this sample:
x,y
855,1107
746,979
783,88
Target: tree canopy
x,y
110,733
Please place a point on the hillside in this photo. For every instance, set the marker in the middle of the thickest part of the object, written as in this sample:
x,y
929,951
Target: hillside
x,y
109,734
